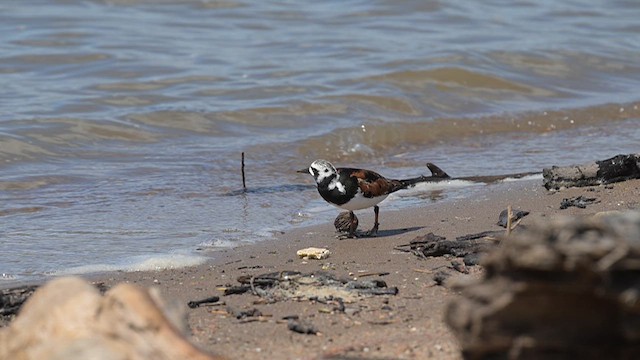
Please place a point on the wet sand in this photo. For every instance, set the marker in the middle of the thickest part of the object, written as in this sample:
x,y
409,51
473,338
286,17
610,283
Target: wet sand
x,y
407,325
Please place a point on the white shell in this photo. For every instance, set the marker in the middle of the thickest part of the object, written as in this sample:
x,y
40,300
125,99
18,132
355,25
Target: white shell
x,y
313,253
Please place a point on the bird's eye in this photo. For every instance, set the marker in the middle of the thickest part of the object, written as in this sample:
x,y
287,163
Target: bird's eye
x,y
326,170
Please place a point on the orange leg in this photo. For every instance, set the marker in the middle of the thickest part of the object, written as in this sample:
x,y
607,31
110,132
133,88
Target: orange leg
x,y
374,229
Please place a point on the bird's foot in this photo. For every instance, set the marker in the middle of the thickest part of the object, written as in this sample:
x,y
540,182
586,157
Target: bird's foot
x,y
373,232
347,235
358,234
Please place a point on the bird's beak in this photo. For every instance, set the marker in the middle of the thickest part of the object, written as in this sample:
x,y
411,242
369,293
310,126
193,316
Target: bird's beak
x,y
303,171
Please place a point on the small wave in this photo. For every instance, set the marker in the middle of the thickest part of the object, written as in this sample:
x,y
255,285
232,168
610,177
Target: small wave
x,y
217,244
8,277
119,87
449,77
181,120
270,189
56,59
138,263
384,103
36,182
381,139
22,210
234,237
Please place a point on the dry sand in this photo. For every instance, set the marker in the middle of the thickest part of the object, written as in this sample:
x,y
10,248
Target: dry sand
x,y
408,325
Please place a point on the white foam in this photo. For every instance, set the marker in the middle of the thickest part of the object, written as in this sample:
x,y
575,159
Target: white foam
x,y
236,238
219,243
267,232
456,183
423,187
138,263
525,178
5,276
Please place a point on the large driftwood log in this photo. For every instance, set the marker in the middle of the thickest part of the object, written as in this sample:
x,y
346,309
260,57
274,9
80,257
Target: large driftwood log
x,y
69,319
568,289
12,299
618,168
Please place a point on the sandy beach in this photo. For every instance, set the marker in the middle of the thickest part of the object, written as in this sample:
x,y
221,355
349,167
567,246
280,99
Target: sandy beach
x,y
408,325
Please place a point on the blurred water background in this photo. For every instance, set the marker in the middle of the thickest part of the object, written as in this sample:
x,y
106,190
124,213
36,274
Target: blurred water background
x,y
122,122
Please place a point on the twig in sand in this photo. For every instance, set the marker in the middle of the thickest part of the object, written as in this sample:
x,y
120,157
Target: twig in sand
x,y
196,303
509,219
423,271
373,274
511,224
244,184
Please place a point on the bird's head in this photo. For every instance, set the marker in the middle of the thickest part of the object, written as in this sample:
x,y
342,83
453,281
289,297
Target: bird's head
x,y
321,170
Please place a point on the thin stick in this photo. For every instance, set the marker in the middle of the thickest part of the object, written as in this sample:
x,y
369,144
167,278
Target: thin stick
x,y
509,219
373,274
244,184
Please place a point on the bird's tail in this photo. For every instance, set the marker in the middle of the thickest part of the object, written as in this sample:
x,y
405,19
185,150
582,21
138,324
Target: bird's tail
x,y
437,174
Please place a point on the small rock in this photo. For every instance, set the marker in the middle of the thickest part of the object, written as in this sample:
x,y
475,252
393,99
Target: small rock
x,y
471,259
459,266
440,277
517,215
301,327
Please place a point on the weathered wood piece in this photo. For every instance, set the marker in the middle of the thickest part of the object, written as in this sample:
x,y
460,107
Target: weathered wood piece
x,y
68,318
197,303
316,285
12,299
616,169
435,245
578,201
567,289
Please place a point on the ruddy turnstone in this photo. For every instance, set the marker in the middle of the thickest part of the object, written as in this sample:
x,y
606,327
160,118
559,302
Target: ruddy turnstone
x,y
354,189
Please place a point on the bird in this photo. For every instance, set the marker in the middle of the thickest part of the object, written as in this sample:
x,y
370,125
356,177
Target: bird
x,y
355,189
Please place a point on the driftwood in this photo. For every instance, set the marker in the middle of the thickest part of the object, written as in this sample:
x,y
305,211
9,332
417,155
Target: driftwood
x,y
616,169
197,303
578,201
567,289
470,247
68,318
435,245
11,300
319,285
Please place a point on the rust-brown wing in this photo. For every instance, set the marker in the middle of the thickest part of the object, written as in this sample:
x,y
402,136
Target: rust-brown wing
x,y
373,184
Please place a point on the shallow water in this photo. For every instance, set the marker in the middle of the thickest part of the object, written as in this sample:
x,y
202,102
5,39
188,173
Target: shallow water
x,y
122,122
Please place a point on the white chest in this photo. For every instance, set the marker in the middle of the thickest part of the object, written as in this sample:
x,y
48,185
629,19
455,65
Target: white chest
x,y
360,202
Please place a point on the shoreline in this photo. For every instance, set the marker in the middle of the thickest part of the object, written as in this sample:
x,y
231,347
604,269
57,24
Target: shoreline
x,y
407,325
467,187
